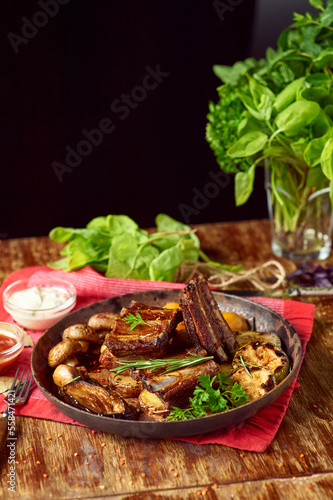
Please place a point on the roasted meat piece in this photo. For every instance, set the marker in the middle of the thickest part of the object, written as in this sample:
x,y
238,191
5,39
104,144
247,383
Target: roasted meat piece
x,y
162,392
151,336
125,385
204,321
109,361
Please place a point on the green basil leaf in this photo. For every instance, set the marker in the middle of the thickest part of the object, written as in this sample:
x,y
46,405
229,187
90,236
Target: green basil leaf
x,y
244,185
248,145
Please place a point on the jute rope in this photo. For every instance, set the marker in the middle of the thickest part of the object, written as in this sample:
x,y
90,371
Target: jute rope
x,y
267,276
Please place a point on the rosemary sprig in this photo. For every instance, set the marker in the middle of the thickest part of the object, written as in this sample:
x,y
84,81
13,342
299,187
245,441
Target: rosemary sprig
x,y
244,363
74,379
154,364
135,320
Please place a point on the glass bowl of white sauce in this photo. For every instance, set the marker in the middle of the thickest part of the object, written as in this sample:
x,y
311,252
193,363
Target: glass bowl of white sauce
x,y
37,305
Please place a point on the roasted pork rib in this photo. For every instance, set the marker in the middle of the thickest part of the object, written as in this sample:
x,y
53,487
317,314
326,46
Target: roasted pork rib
x,y
151,338
204,321
163,391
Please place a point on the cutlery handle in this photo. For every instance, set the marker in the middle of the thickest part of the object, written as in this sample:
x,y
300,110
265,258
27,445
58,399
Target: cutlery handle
x,y
3,431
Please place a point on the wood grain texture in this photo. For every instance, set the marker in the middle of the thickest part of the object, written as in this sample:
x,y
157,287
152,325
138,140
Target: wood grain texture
x,y
81,464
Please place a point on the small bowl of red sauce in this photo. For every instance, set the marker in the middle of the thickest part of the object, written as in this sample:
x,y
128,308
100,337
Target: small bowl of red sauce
x,y
11,344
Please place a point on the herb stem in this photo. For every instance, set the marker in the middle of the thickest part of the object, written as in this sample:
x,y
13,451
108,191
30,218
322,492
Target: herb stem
x,y
244,366
170,364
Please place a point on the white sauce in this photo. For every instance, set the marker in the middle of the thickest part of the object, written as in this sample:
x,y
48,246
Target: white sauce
x,y
38,308
38,298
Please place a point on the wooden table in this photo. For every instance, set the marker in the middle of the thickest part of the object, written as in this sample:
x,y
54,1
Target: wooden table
x,y
298,464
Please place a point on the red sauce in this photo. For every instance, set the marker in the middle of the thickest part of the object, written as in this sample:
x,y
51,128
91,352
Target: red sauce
x,y
6,342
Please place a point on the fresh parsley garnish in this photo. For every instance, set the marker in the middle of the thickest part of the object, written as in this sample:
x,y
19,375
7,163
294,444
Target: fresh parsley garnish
x,y
213,395
135,320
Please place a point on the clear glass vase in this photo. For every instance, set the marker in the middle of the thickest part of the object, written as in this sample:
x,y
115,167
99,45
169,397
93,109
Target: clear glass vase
x,y
300,231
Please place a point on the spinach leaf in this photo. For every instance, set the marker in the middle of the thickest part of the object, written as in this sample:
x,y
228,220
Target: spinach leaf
x,y
244,185
248,145
297,116
327,159
117,247
278,111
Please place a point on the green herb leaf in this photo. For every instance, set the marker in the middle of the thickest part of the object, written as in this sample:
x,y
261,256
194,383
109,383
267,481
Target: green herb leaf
x,y
116,246
248,145
243,363
318,4
212,395
244,186
297,116
327,159
166,365
74,379
286,101
288,94
134,320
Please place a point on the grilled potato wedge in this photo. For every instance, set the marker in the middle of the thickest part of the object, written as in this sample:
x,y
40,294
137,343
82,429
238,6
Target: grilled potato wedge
x,y
255,380
263,354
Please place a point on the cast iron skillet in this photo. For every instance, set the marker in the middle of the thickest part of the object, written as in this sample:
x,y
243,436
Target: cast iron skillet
x,y
266,320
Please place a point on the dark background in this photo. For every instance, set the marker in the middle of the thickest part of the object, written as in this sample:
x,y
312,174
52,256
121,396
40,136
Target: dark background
x,y
63,77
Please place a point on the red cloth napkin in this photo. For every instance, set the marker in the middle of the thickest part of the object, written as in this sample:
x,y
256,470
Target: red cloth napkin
x,y
253,435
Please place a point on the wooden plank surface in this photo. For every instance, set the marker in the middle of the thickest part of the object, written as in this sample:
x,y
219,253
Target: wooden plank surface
x,y
78,463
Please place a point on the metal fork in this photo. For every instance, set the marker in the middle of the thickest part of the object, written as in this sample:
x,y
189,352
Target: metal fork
x,y
16,396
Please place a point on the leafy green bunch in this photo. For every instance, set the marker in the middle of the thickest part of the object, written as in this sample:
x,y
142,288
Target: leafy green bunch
x,y
116,246
278,111
208,399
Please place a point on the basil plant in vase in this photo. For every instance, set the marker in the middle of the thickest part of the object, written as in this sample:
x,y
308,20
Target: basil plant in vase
x,y
277,112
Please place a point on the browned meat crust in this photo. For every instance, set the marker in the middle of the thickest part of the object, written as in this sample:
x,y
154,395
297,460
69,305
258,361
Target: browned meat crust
x,y
174,388
204,321
144,339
